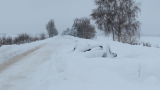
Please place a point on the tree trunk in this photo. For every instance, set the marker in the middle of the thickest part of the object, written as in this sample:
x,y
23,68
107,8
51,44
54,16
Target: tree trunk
x,y
113,37
119,34
119,37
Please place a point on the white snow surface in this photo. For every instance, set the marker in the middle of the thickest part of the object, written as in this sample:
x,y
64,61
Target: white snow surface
x,y
153,40
98,48
51,65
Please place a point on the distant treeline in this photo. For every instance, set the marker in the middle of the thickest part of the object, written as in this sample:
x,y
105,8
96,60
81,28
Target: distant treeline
x,y
20,39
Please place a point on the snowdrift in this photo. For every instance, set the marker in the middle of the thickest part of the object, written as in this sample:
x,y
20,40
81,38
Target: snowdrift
x,y
91,49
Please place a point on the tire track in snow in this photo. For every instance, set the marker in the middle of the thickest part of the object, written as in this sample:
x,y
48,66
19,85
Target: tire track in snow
x,y
27,68
6,65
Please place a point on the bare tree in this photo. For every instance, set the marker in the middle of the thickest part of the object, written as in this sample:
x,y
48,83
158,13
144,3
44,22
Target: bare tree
x,y
84,28
118,17
51,29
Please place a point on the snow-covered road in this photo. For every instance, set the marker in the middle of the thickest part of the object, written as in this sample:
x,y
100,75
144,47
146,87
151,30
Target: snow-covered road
x,y
12,60
26,71
51,65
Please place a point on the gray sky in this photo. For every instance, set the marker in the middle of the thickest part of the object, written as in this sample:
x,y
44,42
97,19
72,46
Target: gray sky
x,y
150,17
31,16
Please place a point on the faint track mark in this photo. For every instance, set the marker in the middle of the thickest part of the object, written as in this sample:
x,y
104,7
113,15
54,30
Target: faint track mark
x,y
4,66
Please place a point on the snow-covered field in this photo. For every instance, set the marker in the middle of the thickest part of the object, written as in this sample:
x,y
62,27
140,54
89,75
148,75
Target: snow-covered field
x,y
51,65
153,40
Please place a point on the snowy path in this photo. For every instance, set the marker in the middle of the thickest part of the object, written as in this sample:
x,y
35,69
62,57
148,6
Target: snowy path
x,y
17,58
26,71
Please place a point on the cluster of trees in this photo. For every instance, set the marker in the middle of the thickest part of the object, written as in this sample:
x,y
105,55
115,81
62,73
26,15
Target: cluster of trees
x,y
20,39
118,18
81,28
115,17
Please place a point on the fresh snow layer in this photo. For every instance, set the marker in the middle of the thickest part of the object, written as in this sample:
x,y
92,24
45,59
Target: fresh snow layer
x,y
53,66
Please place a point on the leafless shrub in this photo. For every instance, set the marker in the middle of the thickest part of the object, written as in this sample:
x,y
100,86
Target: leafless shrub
x,y
1,42
42,36
130,40
147,44
5,40
20,39
35,39
9,40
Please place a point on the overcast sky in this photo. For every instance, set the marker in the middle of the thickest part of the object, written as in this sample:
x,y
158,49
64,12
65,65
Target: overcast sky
x,y
31,16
